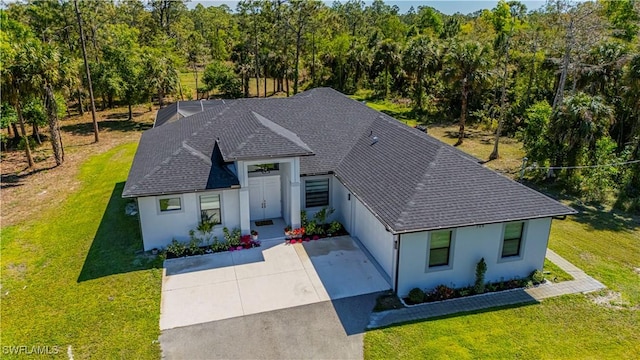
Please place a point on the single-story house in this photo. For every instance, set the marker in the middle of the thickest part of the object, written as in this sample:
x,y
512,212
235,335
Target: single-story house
x,y
426,211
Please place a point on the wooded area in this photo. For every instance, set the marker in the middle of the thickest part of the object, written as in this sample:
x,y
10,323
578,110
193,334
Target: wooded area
x,y
565,80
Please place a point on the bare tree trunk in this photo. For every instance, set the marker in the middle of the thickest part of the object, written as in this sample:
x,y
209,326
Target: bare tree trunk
x,y
313,59
463,114
86,67
14,126
52,116
265,80
36,133
195,71
287,80
27,147
503,99
257,56
557,100
130,112
296,74
531,73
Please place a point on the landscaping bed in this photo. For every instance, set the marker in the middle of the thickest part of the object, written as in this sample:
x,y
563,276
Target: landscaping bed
x,y
444,292
314,229
208,244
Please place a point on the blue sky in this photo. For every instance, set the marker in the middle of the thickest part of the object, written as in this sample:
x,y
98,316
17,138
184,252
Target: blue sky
x,y
447,7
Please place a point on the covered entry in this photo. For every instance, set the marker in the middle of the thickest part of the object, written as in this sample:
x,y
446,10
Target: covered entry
x,y
269,189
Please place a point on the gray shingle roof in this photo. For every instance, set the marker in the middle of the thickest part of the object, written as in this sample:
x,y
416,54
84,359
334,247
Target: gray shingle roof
x,y
408,179
182,109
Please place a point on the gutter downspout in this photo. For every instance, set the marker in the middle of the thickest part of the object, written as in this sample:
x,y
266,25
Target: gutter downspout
x,y
397,274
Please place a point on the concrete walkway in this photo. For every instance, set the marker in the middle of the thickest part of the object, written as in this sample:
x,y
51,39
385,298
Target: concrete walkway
x,y
582,283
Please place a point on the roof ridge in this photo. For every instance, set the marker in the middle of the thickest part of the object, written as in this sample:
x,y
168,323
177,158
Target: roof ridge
x,y
281,131
183,144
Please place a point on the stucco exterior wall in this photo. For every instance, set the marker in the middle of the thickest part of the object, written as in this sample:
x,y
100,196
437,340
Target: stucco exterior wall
x,y
159,228
362,224
370,231
469,245
341,198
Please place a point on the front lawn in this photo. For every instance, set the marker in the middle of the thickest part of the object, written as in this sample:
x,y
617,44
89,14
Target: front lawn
x,y
72,275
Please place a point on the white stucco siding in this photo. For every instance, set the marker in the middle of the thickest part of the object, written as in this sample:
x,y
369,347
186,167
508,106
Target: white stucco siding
x,y
469,245
341,199
370,231
159,228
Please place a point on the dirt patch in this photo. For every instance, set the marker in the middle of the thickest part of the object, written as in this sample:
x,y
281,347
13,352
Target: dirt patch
x,y
588,257
612,300
16,271
28,192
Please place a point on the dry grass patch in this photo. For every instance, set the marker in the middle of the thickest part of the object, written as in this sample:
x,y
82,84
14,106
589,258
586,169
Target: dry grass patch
x,y
28,192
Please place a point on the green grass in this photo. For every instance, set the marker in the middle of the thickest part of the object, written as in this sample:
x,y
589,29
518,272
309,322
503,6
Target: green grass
x,y
606,245
569,327
553,273
71,276
401,112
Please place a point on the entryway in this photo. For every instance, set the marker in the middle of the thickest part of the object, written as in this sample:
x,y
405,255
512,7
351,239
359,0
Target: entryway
x,y
264,197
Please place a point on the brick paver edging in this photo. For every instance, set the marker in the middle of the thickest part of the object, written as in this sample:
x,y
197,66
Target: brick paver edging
x,y
582,283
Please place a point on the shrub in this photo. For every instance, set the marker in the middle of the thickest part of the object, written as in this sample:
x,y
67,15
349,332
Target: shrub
x,y
194,246
303,219
311,228
322,215
416,296
176,248
481,269
441,292
536,276
232,237
335,227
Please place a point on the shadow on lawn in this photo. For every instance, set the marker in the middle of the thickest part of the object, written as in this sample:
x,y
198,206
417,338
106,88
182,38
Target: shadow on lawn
x,y
110,125
601,219
117,246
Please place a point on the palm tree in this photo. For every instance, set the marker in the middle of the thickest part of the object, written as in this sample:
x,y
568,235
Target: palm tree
x,y
15,63
577,125
49,72
421,56
467,61
387,55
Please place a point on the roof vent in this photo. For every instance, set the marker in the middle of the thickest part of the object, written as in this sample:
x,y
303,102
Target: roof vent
x,y
374,140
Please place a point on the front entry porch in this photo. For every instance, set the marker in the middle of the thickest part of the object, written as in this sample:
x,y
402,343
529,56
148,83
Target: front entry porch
x,y
273,231
269,189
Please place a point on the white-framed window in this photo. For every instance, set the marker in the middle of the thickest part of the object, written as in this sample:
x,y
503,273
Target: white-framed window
x,y
169,204
439,254
210,208
512,239
316,193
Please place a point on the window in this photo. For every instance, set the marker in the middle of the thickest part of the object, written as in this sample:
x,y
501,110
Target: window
x,y
210,208
170,204
263,168
512,239
316,193
439,248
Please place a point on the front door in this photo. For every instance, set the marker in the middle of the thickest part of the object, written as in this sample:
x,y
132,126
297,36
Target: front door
x,y
264,197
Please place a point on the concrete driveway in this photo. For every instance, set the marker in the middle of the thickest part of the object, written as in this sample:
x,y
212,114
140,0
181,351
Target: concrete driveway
x,y
275,276
324,330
